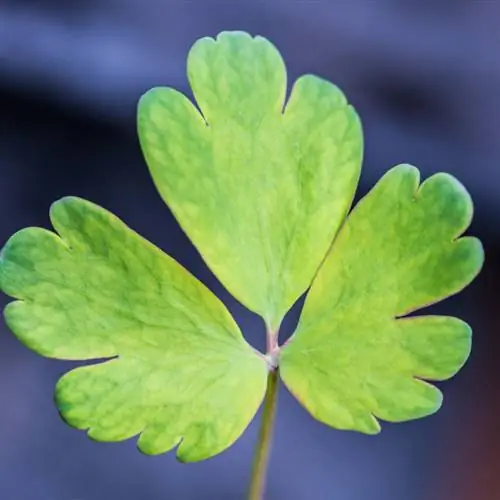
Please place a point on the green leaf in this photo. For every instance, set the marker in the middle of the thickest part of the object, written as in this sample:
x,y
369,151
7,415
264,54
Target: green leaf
x,y
181,369
354,356
260,187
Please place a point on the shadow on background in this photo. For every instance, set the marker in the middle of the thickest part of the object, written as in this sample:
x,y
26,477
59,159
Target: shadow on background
x,y
424,76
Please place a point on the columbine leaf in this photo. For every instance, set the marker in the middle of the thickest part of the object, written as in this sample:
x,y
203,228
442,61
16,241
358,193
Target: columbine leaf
x,y
260,187
353,358
182,369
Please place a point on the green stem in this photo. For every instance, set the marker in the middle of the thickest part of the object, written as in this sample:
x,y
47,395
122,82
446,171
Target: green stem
x,y
261,457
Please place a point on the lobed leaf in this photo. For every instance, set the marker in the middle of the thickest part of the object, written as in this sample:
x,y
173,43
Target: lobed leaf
x,y
354,356
260,187
180,371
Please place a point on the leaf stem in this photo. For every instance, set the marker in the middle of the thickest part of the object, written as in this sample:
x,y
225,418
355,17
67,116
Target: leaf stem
x,y
261,457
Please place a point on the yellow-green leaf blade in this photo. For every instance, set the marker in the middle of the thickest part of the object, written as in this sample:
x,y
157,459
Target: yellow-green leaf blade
x,y
259,185
97,290
353,359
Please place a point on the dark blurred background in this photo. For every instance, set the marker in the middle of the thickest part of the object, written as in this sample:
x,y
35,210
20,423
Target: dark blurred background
x,y
425,78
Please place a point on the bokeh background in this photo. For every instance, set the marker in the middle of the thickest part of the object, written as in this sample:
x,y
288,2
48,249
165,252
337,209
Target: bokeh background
x,y
425,78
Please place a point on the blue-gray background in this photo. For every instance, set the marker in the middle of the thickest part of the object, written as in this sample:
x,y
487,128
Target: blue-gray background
x,y
425,78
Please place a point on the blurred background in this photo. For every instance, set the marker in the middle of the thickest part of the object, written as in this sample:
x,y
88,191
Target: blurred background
x,y
424,76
